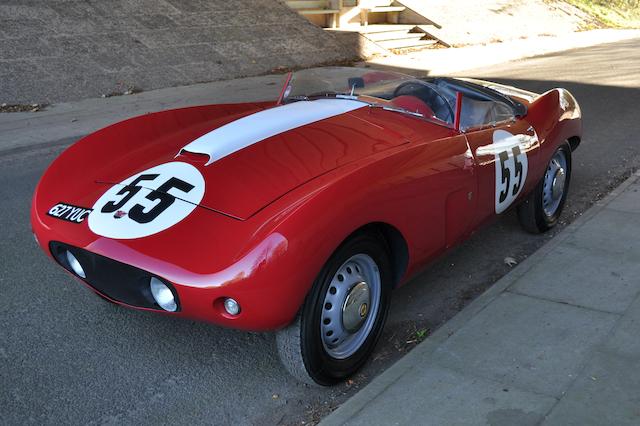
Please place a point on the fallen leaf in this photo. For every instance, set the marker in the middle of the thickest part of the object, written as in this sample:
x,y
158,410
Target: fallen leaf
x,y
510,261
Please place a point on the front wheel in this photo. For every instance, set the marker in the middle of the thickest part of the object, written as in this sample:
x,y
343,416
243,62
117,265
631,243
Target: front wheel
x,y
541,210
342,317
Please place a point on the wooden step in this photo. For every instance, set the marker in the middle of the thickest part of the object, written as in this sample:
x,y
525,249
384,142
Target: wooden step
x,y
382,28
311,7
394,35
399,39
403,44
385,9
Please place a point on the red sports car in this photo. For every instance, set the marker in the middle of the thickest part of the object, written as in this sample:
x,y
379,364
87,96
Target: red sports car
x,y
300,215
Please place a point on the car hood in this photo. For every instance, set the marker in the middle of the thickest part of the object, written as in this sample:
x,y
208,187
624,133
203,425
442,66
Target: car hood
x,y
248,155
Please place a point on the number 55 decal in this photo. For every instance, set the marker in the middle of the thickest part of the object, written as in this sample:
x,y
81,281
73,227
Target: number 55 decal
x,y
148,202
511,166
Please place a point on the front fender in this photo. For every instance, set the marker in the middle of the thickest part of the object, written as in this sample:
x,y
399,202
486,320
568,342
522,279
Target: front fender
x,y
557,117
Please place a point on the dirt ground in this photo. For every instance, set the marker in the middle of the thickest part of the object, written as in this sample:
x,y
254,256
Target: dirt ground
x,y
468,22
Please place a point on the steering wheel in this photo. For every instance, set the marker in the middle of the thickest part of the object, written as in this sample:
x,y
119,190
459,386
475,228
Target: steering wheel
x,y
430,96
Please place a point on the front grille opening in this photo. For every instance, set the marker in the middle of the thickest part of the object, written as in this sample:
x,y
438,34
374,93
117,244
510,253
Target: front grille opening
x,y
116,280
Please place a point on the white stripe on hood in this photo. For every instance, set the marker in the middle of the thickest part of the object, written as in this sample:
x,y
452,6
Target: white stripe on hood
x,y
257,127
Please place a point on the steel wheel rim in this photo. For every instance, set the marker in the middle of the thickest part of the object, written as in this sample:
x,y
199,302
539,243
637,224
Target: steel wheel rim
x,y
554,184
339,337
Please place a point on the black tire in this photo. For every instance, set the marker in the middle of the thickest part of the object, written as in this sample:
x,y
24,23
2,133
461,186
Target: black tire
x,y
300,345
531,212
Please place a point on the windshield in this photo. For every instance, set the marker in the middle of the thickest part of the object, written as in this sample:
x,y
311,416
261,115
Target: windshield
x,y
385,89
333,81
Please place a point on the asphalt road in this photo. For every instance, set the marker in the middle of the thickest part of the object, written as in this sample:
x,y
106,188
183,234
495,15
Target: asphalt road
x,y
67,357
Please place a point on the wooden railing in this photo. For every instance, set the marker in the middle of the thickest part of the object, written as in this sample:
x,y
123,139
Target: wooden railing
x,y
318,7
379,6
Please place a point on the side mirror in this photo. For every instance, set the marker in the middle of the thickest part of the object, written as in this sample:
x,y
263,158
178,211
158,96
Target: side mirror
x,y
357,82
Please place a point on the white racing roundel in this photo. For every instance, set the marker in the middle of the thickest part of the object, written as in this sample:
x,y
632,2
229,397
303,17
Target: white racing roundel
x,y
511,167
148,202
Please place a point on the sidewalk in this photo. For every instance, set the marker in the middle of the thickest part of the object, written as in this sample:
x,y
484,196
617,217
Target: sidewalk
x,y
65,122
72,120
556,341
455,60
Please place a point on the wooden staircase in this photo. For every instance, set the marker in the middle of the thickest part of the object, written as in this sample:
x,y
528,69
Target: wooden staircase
x,y
311,8
378,21
400,39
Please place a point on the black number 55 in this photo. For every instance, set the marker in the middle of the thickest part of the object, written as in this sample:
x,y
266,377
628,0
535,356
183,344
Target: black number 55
x,y
506,173
161,194
137,212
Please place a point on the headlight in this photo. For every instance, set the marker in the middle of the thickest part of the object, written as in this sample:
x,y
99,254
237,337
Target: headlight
x,y
162,295
75,265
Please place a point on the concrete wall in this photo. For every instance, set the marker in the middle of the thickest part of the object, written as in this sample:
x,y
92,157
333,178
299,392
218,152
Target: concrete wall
x,y
61,50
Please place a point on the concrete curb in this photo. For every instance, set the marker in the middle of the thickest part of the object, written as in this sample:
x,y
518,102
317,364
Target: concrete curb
x,y
414,358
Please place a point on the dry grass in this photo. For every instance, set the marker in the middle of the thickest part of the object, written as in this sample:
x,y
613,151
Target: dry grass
x,y
612,13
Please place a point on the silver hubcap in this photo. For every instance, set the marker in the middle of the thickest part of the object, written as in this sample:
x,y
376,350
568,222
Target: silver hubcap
x,y
554,183
350,306
356,307
557,188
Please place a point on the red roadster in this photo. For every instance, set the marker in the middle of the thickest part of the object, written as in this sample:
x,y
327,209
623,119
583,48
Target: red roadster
x,y
300,215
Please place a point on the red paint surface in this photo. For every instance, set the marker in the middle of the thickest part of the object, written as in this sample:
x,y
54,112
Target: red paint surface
x,y
295,196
